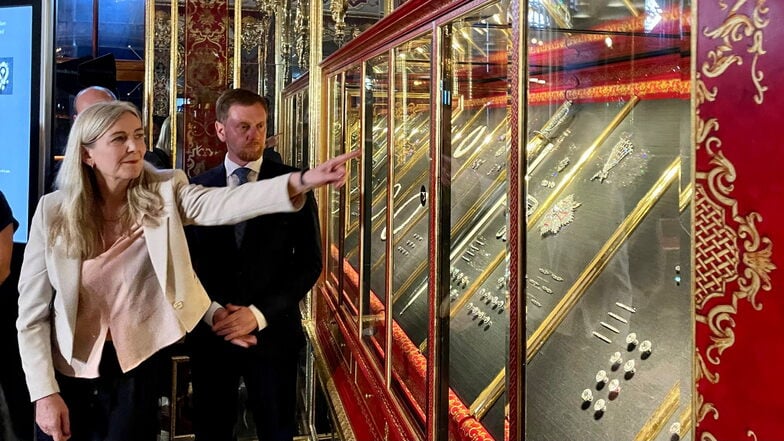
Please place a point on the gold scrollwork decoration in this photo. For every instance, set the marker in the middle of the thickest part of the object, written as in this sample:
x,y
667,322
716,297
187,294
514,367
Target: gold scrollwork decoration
x,y
704,130
703,409
735,28
745,245
703,371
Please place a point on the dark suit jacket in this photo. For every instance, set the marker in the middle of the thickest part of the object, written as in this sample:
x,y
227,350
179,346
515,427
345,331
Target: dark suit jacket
x,y
277,263
272,155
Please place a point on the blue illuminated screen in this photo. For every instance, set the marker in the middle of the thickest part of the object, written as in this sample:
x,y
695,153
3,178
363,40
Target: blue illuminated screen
x,y
16,40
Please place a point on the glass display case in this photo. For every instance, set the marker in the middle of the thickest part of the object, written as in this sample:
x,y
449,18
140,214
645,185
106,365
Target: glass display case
x,y
432,262
293,144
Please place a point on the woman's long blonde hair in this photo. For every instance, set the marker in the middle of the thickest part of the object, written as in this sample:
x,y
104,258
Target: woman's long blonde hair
x,y
79,221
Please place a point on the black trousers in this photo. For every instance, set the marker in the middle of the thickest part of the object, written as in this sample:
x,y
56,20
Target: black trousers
x,y
12,380
116,406
270,380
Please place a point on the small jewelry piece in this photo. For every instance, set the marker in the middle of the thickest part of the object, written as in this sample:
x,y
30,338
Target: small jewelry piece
x,y
547,184
485,321
600,405
615,359
631,339
534,301
601,376
602,337
556,277
473,247
496,168
530,204
628,367
466,258
547,290
532,282
470,253
559,216
675,428
501,232
626,307
562,164
544,271
618,317
454,294
610,327
645,347
621,150
614,387
480,240
587,396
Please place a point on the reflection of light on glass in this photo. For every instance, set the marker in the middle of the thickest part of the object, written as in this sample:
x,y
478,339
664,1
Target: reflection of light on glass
x,y
534,40
616,4
653,15
537,81
608,41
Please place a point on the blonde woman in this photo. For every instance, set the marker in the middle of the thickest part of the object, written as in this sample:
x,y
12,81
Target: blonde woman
x,y
106,281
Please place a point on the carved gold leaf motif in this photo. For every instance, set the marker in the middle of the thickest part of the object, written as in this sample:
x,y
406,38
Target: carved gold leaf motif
x,y
734,261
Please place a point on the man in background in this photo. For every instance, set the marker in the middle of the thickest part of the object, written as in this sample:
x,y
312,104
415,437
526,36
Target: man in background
x,y
97,94
91,95
257,272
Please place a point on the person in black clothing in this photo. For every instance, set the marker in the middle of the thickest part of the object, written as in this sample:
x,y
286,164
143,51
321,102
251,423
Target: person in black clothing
x,y
256,273
270,154
20,410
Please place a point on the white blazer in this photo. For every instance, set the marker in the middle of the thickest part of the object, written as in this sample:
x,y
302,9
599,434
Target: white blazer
x,y
50,280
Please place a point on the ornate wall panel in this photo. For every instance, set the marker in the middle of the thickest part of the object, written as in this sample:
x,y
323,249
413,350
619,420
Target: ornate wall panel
x,y
206,76
737,221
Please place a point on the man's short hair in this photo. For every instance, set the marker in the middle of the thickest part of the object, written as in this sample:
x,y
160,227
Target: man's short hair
x,y
242,97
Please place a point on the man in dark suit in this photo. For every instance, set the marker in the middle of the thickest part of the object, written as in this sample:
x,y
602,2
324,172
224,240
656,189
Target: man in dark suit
x,y
270,154
256,273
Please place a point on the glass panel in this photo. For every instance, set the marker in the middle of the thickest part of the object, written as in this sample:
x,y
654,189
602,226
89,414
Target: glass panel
x,y
479,270
120,28
74,32
295,44
302,157
410,155
376,130
344,20
335,139
608,307
353,137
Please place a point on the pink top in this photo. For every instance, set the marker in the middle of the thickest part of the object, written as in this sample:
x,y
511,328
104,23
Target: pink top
x,y
120,299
